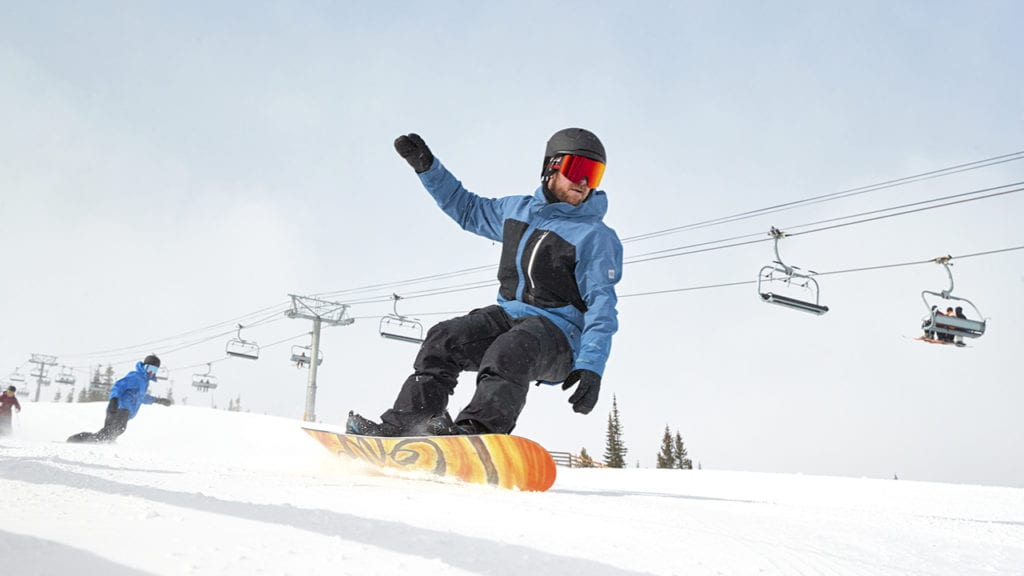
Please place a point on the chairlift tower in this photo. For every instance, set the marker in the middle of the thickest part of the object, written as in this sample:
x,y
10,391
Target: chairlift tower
x,y
43,361
319,311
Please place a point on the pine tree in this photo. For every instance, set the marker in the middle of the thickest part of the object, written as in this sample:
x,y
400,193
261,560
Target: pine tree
x,y
93,394
666,458
585,460
100,384
56,397
614,450
88,390
108,376
679,454
71,396
170,394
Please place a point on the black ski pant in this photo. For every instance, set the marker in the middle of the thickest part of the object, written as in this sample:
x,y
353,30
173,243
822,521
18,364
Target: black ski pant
x,y
114,425
507,354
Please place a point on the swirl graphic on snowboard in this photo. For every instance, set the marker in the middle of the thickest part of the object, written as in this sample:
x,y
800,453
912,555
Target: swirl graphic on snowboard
x,y
494,459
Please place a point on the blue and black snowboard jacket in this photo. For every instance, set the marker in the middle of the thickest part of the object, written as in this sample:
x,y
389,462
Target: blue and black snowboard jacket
x,y
557,260
132,390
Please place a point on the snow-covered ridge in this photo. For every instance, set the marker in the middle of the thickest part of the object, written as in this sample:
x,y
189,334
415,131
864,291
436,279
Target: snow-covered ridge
x,y
193,490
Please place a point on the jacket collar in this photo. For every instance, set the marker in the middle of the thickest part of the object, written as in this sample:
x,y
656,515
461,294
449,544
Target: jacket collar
x,y
140,367
594,207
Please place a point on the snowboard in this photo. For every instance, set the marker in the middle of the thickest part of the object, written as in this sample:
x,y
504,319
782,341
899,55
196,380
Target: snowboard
x,y
501,460
937,341
86,438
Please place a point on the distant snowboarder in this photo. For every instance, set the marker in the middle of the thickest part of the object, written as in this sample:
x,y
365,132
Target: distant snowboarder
x,y
7,401
126,396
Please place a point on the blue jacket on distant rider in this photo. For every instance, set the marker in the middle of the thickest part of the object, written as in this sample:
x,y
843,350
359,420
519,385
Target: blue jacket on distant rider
x,y
131,391
126,396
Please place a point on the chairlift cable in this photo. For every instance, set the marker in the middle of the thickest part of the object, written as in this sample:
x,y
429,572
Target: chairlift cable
x,y
226,358
905,212
988,252
829,273
178,346
747,282
651,293
431,292
673,252
399,283
709,246
908,205
742,282
985,163
642,258
416,314
827,220
156,342
932,174
688,289
655,292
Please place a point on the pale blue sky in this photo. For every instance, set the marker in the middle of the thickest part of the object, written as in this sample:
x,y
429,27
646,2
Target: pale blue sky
x,y
168,166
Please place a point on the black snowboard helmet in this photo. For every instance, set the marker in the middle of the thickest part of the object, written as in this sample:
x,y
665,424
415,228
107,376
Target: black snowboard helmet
x,y
575,141
570,141
152,360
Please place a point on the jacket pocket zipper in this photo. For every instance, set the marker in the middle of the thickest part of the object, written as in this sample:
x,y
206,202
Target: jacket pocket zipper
x,y
533,257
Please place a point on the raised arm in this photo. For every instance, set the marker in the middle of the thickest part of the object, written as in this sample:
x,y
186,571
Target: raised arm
x,y
483,216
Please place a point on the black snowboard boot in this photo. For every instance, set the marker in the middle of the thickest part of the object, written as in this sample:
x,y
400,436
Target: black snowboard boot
x,y
82,437
442,425
365,427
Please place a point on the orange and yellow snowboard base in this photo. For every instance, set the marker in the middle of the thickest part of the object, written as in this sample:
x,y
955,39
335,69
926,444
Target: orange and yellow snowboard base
x,y
495,459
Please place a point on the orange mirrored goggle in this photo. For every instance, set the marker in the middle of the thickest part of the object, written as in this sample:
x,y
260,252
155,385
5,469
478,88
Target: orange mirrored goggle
x,y
576,168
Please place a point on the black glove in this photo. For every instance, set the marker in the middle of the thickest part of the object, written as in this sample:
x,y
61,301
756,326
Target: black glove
x,y
162,401
584,398
415,152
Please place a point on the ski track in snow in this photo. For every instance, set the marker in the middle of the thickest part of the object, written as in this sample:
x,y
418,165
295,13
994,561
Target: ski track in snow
x,y
196,491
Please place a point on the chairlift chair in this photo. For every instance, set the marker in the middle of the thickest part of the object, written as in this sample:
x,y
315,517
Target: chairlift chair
x,y
65,377
938,323
162,373
779,271
402,328
204,382
302,354
16,377
242,348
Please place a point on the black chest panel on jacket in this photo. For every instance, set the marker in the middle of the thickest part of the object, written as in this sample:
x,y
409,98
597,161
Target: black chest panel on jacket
x,y
548,264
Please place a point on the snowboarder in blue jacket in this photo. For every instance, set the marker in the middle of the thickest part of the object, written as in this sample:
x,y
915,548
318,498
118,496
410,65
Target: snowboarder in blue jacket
x,y
556,311
126,397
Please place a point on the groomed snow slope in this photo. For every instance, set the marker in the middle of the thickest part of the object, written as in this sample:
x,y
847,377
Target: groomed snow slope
x,y
192,490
